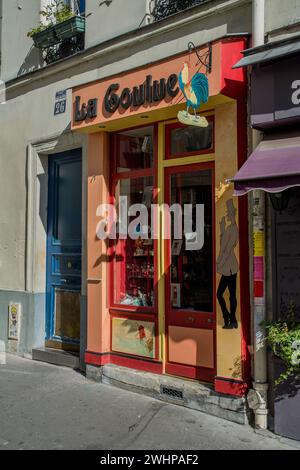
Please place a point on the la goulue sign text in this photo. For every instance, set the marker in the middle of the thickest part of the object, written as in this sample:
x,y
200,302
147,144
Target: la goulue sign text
x,y
149,92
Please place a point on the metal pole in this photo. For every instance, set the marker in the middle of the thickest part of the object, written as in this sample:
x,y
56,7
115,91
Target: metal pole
x,y
258,219
258,23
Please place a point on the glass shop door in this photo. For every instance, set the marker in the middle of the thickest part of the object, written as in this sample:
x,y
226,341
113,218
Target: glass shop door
x,y
190,279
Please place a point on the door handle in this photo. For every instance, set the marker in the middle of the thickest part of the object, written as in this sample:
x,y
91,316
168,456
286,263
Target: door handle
x,y
191,319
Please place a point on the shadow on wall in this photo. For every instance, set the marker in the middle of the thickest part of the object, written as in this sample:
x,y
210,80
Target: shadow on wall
x,y
43,182
33,61
43,175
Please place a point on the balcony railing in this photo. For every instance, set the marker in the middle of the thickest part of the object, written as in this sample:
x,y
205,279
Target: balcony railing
x,y
65,49
161,9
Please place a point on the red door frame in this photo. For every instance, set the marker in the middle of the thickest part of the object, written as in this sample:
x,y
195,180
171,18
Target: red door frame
x,y
177,317
125,311
115,178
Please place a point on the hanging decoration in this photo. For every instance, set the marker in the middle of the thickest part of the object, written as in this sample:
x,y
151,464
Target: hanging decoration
x,y
195,89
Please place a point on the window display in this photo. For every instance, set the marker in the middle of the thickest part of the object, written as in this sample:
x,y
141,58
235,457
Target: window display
x,y
190,139
133,271
134,150
134,258
192,271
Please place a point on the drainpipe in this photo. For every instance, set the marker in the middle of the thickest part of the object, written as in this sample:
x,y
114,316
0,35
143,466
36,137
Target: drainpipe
x,y
258,22
258,396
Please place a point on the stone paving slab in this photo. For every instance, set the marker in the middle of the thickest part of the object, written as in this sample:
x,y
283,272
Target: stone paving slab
x,y
49,407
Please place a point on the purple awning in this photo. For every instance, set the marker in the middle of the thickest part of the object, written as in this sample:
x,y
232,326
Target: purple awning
x,y
273,167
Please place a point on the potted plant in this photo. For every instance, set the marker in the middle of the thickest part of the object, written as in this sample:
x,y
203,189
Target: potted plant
x,y
283,336
60,23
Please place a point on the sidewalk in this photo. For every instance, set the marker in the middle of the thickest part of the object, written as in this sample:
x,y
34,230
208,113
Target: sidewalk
x,y
49,407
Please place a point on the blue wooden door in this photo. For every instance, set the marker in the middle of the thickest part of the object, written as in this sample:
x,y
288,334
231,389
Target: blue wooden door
x,y
64,247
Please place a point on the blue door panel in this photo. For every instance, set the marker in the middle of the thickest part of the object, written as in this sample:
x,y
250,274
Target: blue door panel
x,y
68,200
64,246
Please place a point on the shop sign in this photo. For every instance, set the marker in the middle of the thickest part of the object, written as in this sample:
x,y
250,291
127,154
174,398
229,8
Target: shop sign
x,y
149,92
296,92
195,90
85,111
276,93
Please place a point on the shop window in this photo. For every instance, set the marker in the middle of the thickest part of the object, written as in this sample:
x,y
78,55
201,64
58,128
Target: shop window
x,y
134,150
192,270
133,267
189,140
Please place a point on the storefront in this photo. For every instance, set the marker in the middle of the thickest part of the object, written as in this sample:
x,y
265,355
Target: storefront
x,y
274,167
153,304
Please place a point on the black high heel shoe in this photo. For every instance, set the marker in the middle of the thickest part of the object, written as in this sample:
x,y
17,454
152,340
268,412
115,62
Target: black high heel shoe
x,y
233,324
230,324
226,322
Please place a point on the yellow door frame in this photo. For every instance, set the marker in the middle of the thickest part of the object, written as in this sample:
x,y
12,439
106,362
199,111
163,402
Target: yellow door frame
x,y
162,165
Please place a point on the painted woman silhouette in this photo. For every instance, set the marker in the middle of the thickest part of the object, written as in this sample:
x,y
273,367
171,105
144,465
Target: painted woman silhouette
x,y
227,266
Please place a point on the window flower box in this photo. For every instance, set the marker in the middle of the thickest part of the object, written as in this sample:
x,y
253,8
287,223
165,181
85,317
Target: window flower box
x,y
70,28
45,38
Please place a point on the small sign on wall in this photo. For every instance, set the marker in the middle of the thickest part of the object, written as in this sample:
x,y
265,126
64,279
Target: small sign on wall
x,y
14,318
60,102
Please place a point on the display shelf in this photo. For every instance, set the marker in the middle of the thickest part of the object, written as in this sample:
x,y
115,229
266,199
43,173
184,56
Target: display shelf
x,y
141,277
143,256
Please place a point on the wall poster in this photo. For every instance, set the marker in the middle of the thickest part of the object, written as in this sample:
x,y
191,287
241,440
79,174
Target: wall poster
x,y
14,318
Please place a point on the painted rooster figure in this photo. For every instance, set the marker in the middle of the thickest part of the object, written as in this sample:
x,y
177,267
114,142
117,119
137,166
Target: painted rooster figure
x,y
195,92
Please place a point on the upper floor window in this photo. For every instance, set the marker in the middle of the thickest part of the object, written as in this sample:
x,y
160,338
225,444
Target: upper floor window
x,y
161,9
81,6
78,6
61,32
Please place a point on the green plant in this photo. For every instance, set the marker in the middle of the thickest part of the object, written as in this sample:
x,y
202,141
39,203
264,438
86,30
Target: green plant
x,y
37,30
283,336
55,12
62,13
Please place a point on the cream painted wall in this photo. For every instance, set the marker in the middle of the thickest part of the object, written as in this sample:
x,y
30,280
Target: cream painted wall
x,y
18,55
280,13
22,120
107,22
228,341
